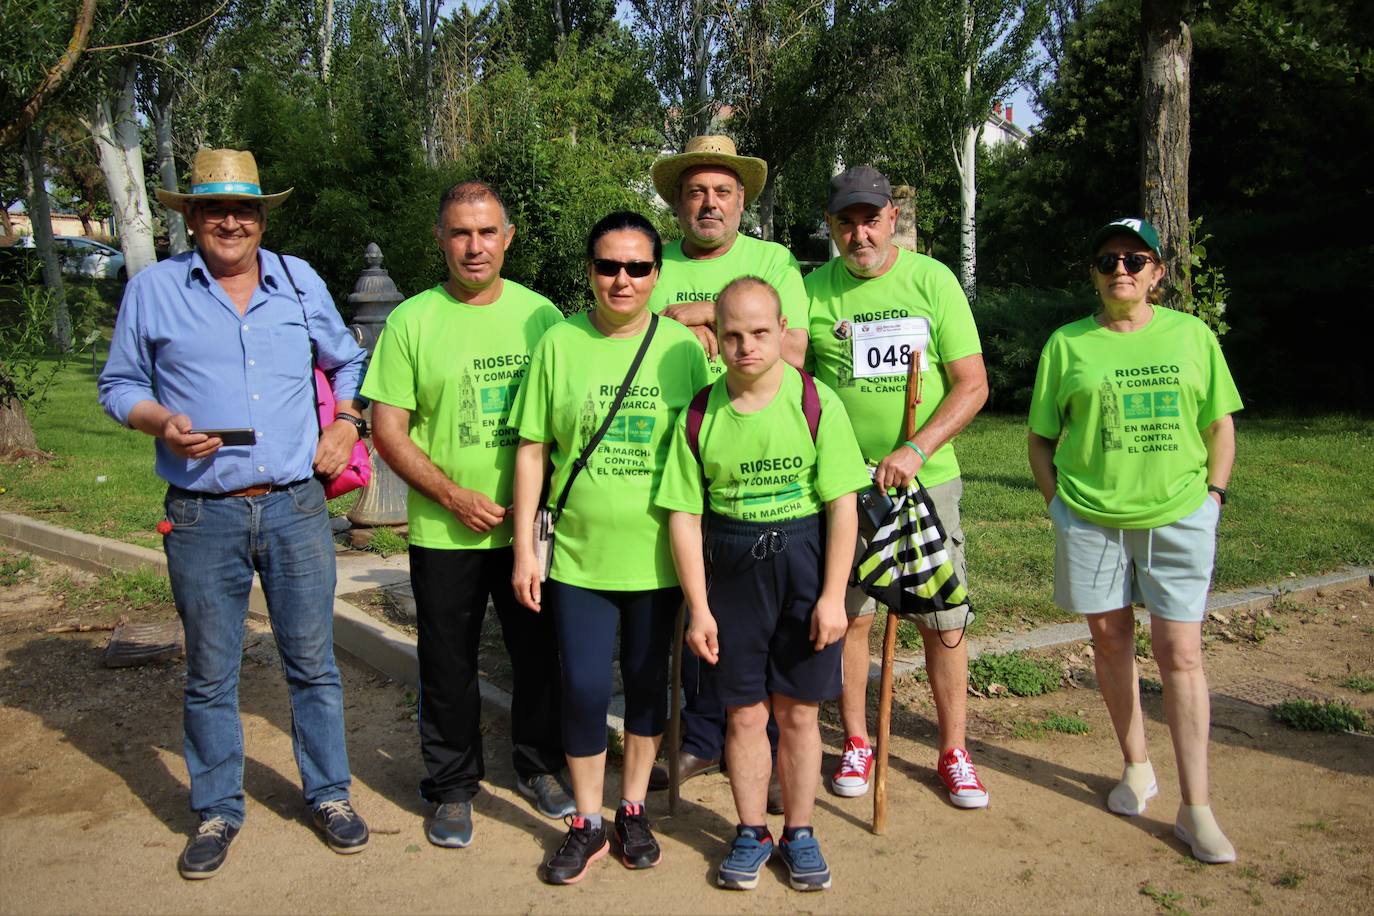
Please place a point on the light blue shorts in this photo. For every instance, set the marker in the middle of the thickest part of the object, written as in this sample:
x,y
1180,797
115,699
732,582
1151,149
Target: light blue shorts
x,y
1168,569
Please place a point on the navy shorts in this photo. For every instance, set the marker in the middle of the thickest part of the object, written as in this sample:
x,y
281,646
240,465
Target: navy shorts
x,y
763,579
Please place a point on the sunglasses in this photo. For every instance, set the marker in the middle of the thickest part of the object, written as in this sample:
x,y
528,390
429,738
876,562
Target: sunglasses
x,y
1135,263
636,269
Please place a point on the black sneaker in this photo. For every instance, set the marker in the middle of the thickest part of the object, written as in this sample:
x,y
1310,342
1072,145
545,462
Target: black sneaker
x,y
205,852
583,845
638,848
344,829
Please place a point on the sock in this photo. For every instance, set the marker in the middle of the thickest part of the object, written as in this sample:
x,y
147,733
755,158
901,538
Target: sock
x,y
1137,786
591,820
1197,826
790,833
760,832
630,807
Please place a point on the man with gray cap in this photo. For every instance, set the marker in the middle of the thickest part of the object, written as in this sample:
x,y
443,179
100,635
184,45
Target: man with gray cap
x,y
874,309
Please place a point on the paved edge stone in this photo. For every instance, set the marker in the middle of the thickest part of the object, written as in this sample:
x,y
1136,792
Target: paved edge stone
x,y
391,652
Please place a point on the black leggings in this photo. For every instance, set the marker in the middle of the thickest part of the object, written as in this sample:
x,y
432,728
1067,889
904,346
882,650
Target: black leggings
x,y
586,621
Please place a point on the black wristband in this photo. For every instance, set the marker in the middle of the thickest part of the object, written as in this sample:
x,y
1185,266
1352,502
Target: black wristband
x,y
1220,491
358,422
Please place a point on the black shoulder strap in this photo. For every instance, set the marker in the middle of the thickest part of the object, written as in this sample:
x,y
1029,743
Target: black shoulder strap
x,y
305,314
581,461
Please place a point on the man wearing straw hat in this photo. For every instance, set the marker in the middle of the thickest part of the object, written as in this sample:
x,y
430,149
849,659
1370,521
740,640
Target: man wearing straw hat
x,y
212,357
709,185
874,308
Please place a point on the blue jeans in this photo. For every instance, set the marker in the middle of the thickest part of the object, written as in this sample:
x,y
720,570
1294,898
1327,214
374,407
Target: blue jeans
x,y
213,549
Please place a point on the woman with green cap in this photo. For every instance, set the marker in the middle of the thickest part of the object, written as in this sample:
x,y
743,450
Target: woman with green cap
x,y
1131,444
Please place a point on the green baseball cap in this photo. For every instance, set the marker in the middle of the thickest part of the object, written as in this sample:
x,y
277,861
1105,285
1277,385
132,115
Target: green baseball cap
x,y
1130,225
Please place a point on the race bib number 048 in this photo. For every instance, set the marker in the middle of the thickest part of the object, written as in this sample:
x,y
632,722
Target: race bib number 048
x,y
886,347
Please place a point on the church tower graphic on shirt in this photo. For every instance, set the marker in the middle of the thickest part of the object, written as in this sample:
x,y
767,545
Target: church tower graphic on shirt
x,y
586,424
1111,417
469,425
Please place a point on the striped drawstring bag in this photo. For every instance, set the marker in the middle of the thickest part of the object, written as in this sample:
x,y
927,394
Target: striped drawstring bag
x,y
906,566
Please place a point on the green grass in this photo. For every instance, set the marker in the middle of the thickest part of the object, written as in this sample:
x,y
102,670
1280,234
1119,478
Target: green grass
x,y
1300,503
1020,674
1364,683
12,568
1143,644
1167,901
1055,723
1330,716
119,591
387,542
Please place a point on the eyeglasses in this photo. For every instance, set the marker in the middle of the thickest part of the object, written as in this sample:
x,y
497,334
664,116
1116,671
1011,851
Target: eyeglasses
x,y
218,213
1135,263
636,269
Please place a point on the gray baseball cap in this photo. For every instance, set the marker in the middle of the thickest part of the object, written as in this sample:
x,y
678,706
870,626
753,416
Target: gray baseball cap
x,y
863,184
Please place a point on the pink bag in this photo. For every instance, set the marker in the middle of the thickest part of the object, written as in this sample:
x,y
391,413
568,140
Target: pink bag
x,y
358,471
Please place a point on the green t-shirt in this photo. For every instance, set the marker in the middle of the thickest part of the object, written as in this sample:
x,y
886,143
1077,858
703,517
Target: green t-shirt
x,y
456,368
610,536
685,279
1131,409
763,466
915,287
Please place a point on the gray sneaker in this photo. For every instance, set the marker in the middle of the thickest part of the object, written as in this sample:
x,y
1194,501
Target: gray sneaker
x,y
549,797
451,825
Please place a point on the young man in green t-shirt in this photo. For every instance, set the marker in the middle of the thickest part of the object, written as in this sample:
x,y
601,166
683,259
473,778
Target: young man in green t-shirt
x,y
709,186
442,381
779,466
873,309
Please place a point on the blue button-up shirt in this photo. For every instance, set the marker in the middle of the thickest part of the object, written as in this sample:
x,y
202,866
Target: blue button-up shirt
x,y
179,340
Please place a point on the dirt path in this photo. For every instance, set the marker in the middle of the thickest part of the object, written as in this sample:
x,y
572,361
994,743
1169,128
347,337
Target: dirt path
x,y
93,799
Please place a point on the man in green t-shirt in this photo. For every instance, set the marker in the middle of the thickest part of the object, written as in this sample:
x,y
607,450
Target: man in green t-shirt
x,y
874,309
779,467
442,381
709,186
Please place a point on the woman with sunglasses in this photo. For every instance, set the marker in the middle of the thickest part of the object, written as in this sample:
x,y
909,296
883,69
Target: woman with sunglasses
x,y
1131,444
612,560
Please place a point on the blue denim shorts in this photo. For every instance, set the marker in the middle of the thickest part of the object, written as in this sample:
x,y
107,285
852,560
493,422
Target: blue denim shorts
x,y
1168,569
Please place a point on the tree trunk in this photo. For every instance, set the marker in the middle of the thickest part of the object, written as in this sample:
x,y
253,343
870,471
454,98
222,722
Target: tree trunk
x,y
115,130
177,241
966,160
429,15
767,200
40,217
326,37
1165,65
16,433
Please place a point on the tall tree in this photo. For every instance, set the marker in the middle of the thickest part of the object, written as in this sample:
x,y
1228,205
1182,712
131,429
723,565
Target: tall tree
x,y
1166,79
972,52
40,216
28,58
684,37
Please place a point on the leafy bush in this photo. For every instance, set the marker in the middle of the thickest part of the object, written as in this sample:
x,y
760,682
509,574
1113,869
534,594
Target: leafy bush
x,y
1022,675
1055,722
1330,716
1364,683
1014,324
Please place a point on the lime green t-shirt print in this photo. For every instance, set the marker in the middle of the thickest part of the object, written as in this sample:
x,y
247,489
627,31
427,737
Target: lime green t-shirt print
x,y
1128,411
684,279
763,466
456,368
610,535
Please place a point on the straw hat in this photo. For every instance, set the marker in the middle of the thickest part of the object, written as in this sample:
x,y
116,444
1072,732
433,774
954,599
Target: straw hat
x,y
709,150
222,174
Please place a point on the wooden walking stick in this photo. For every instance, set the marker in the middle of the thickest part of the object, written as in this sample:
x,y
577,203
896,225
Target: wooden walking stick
x,y
675,711
913,397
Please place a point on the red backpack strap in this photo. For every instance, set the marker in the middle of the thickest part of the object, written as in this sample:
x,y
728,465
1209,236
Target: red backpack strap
x,y
811,404
696,412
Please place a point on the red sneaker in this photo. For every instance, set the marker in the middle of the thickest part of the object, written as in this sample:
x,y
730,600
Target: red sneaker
x,y
961,779
856,765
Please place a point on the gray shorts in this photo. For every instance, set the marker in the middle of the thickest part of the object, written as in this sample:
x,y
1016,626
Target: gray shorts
x,y
945,496
1168,569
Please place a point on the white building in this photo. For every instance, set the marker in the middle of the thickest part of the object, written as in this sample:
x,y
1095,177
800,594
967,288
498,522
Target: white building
x,y
999,129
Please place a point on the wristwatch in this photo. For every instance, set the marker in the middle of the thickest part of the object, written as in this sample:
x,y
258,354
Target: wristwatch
x,y
1220,491
361,425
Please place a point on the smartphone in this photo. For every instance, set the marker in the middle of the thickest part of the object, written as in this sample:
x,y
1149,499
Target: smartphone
x,y
231,436
876,505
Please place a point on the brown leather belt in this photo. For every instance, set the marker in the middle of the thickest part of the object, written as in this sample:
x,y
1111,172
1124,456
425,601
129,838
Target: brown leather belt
x,y
257,489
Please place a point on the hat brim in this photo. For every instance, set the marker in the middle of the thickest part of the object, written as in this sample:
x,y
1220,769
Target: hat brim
x,y
752,172
174,200
849,199
1107,232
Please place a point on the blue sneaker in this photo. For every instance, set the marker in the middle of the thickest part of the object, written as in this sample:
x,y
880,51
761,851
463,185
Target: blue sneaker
x,y
748,854
806,868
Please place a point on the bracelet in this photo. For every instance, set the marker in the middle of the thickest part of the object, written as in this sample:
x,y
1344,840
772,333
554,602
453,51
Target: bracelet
x,y
917,449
